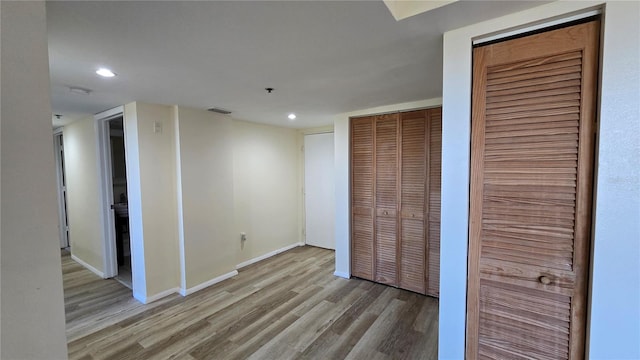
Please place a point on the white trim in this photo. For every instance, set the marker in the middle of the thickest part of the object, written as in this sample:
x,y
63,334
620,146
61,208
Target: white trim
x,y
110,114
136,229
63,228
101,121
180,210
563,19
149,299
342,274
268,255
185,292
93,270
317,130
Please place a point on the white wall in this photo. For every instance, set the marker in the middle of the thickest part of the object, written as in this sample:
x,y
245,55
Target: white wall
x,y
206,177
341,143
31,294
83,192
193,187
615,293
152,189
614,310
267,188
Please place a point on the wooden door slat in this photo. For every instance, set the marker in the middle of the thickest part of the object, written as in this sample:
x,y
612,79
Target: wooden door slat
x,y
531,182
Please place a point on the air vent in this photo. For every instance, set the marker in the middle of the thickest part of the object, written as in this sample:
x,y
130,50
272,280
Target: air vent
x,y
219,110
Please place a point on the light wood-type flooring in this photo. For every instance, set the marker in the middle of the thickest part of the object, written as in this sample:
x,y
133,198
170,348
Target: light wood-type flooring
x,y
290,306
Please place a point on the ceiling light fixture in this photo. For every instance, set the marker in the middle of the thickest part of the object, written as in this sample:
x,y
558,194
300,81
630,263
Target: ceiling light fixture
x,y
292,116
104,72
79,90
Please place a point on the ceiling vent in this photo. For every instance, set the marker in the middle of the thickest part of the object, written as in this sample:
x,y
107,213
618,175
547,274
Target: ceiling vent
x,y
219,111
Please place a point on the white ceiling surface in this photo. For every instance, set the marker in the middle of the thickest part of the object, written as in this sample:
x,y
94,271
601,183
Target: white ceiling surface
x,y
322,58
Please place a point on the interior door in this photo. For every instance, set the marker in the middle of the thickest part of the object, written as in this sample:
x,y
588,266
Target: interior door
x,y
386,198
434,191
413,190
319,199
531,185
362,197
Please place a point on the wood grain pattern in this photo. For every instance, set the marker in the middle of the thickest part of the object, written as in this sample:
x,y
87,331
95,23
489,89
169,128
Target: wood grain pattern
x,y
531,185
386,195
414,190
362,197
433,225
406,231
289,306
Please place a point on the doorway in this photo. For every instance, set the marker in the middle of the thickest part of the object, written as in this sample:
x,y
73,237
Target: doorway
x,y
110,131
120,200
61,181
319,197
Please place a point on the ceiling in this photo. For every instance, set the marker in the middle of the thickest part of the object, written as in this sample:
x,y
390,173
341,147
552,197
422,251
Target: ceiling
x,y
321,57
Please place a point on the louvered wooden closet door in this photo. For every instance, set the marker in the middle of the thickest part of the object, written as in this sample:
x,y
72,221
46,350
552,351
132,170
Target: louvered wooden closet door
x,y
413,187
386,198
433,224
362,197
531,184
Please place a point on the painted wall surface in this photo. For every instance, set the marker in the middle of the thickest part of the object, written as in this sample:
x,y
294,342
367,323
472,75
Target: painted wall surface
x,y
267,188
150,145
206,176
32,309
615,294
83,192
185,213
341,143
614,327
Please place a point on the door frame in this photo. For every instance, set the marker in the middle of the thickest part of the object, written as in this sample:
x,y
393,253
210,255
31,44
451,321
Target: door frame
x,y
107,218
541,27
63,226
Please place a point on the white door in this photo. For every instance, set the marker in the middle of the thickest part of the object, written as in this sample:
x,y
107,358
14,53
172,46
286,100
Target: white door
x,y
319,190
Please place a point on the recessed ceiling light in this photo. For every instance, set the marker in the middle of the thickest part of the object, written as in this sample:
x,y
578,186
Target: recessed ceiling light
x,y
104,72
292,116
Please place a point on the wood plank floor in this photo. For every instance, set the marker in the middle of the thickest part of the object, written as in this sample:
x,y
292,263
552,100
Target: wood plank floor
x,y
289,306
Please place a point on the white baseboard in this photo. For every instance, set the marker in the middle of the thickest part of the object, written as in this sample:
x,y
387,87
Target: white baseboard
x,y
185,292
149,299
342,274
93,270
268,255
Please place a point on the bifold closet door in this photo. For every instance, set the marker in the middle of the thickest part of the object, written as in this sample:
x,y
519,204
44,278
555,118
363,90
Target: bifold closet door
x,y
420,155
362,197
434,119
386,199
413,190
531,183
